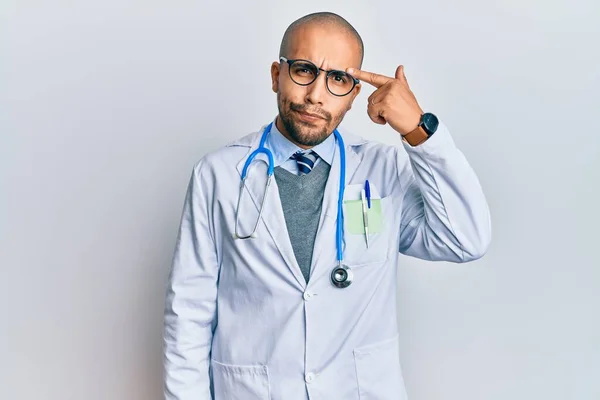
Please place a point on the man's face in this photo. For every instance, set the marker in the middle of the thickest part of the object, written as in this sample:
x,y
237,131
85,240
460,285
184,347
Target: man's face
x,y
328,49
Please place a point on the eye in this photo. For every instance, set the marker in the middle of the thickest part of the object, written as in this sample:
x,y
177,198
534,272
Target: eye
x,y
303,69
340,77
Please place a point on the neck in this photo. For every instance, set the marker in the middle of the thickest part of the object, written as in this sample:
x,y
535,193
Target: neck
x,y
285,133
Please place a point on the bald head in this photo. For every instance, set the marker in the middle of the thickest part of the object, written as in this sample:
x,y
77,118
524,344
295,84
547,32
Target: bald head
x,y
320,20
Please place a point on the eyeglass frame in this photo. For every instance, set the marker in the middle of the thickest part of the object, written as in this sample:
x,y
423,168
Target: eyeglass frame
x,y
290,62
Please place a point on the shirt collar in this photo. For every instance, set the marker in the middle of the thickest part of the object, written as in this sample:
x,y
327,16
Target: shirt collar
x,y
282,148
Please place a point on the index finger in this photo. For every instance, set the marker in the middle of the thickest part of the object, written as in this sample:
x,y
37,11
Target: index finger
x,y
369,77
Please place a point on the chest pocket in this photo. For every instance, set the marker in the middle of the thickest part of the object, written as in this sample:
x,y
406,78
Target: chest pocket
x,y
356,252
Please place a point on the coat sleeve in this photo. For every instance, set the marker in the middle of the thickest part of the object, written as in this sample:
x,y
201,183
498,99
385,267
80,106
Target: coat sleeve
x,y
445,216
190,306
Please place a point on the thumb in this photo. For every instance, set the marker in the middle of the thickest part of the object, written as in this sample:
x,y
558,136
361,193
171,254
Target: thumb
x,y
401,76
400,73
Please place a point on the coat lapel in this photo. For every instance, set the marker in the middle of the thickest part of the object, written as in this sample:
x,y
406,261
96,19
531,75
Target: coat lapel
x,y
272,216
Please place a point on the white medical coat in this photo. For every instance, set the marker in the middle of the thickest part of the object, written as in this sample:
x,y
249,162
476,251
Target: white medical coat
x,y
241,323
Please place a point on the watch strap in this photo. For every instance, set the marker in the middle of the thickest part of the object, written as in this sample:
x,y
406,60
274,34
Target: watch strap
x,y
416,136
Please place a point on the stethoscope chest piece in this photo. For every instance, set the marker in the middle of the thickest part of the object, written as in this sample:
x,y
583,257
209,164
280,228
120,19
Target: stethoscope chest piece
x,y
341,276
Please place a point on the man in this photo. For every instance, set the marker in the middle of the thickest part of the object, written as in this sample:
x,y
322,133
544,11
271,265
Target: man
x,y
265,317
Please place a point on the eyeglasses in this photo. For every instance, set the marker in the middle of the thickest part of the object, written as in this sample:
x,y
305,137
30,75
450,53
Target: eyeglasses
x,y
304,72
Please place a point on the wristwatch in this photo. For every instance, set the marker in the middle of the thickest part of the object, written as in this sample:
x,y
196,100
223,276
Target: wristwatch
x,y
427,127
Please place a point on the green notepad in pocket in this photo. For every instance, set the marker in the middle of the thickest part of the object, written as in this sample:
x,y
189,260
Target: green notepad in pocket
x,y
354,216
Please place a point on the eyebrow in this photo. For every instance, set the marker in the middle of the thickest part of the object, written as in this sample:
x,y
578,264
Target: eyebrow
x,y
331,69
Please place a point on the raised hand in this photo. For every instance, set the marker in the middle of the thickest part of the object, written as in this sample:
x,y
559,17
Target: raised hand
x,y
393,102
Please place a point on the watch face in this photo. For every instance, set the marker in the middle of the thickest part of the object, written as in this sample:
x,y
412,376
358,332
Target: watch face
x,y
430,123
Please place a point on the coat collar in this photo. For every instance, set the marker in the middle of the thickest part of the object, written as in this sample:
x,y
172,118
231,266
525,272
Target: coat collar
x,y
252,140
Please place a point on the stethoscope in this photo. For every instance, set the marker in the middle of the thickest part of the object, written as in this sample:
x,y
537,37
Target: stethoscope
x,y
341,275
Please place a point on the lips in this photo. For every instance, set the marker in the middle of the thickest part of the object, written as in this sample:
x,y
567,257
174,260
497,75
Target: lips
x,y
309,114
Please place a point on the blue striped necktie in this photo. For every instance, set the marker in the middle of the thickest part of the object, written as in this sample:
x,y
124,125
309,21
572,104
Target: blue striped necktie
x,y
306,161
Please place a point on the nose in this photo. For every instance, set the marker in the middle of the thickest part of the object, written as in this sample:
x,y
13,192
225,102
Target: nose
x,y
317,91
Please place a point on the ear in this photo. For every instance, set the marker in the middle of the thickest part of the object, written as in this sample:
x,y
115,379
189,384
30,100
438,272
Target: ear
x,y
275,76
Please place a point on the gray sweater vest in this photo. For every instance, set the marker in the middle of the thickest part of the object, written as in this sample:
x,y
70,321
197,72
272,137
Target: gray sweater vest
x,y
302,202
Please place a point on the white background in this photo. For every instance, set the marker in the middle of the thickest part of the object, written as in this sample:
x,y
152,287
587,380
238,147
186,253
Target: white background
x,y
106,106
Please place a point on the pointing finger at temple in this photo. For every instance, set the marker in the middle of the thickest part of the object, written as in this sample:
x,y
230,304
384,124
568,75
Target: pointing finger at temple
x,y
369,77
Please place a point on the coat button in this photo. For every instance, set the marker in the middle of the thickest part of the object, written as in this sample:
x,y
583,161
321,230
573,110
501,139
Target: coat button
x,y
307,295
309,377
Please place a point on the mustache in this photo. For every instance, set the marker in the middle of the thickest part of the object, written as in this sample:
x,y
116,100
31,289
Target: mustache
x,y
304,108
